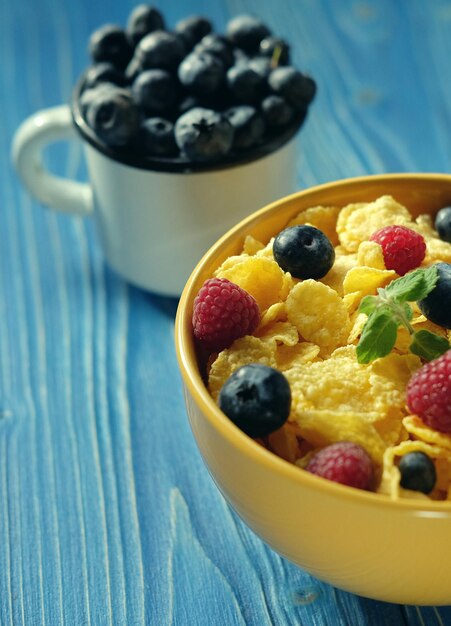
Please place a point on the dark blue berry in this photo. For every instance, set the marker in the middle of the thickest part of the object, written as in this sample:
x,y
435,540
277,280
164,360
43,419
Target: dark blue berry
x,y
159,50
143,20
203,134
239,56
218,46
443,224
417,472
132,70
245,84
262,65
157,135
304,251
192,29
154,91
276,49
248,125
201,73
276,110
113,115
109,44
246,32
103,73
436,306
89,95
190,102
297,88
257,398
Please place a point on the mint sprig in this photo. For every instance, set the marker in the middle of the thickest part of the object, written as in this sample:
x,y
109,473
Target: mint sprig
x,y
390,309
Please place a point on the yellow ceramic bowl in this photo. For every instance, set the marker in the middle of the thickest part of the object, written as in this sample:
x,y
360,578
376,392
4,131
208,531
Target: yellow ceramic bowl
x,y
358,541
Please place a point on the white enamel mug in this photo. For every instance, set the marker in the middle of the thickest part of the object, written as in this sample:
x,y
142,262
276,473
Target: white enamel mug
x,y
154,219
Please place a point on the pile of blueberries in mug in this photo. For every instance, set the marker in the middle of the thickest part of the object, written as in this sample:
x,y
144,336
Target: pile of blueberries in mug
x,y
190,93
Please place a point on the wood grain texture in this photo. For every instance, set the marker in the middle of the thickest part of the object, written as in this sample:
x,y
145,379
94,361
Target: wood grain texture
x,y
107,513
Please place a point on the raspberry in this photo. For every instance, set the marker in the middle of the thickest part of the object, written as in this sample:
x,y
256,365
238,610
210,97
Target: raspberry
x,y
343,462
222,313
403,248
429,393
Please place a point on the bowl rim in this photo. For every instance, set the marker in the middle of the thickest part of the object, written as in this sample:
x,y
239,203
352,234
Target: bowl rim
x,y
186,356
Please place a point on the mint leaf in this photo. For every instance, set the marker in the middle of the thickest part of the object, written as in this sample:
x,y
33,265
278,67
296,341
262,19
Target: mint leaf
x,y
378,335
413,286
368,304
428,345
408,313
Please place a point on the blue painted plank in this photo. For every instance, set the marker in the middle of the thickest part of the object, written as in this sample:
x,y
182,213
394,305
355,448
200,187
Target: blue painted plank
x,y
107,513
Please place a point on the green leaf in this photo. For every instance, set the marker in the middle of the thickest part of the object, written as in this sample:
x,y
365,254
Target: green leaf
x,y
368,304
413,286
408,313
428,345
378,335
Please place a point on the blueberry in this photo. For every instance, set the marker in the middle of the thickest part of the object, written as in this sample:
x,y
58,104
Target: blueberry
x,y
443,224
257,398
201,73
133,69
110,44
160,50
154,91
246,32
91,93
262,65
417,472
248,125
190,102
245,84
276,49
304,251
143,20
113,116
192,29
218,46
276,110
203,134
157,135
297,88
436,306
239,56
103,73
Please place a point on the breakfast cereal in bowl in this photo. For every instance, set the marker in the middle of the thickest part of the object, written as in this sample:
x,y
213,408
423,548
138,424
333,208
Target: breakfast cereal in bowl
x,y
329,344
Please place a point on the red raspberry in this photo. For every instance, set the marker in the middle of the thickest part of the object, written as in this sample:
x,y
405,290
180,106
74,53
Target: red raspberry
x,y
429,393
343,462
222,313
402,247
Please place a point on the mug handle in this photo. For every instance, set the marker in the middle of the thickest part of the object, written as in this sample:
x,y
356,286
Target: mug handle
x,y
29,141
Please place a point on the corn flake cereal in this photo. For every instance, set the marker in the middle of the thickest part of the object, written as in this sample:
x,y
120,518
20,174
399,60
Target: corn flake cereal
x,y
335,277
275,313
309,330
318,313
245,350
357,222
280,332
366,280
322,217
290,356
322,427
415,426
252,246
370,254
260,276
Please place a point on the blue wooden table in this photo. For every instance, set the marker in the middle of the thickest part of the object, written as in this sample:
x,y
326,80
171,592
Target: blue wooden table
x,y
107,513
